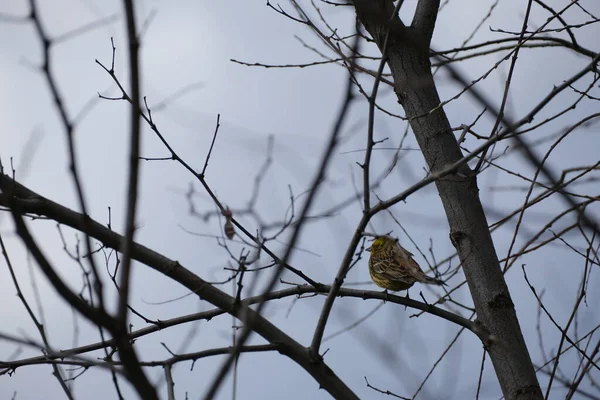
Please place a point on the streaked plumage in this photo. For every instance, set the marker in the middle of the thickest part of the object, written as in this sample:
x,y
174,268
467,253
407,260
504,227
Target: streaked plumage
x,y
392,267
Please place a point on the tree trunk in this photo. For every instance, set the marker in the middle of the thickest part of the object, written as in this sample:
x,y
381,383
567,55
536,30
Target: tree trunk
x,y
407,55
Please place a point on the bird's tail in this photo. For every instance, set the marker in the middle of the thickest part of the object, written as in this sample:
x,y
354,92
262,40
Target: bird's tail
x,y
433,281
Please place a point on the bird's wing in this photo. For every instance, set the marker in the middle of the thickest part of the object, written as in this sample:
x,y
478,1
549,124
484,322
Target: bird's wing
x,y
382,263
408,260
388,266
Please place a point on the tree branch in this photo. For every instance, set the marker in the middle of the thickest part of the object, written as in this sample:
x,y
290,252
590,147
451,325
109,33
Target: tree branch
x,y
416,91
26,201
424,18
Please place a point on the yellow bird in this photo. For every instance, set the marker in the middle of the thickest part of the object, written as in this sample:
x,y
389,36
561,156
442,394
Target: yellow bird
x,y
392,267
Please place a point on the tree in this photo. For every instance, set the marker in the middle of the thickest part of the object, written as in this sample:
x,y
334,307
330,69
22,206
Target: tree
x,y
390,48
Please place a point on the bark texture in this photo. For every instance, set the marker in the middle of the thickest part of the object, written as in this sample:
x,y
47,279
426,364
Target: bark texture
x,y
407,54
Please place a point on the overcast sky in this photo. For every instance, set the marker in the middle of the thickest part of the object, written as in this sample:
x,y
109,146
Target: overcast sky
x,y
192,43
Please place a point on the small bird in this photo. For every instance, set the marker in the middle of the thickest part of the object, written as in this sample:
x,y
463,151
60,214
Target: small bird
x,y
392,267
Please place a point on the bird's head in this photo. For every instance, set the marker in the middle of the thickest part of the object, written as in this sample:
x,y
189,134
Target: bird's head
x,y
381,242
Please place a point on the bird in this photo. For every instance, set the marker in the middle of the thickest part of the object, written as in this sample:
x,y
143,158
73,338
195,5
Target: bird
x,y
392,267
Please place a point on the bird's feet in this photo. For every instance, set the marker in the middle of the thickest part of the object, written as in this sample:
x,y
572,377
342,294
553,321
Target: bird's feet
x,y
385,296
423,297
407,297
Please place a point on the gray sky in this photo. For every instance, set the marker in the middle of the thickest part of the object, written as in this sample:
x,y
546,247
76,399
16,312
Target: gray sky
x,y
189,42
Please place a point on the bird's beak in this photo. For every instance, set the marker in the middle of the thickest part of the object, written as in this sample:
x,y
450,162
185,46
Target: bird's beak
x,y
368,248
